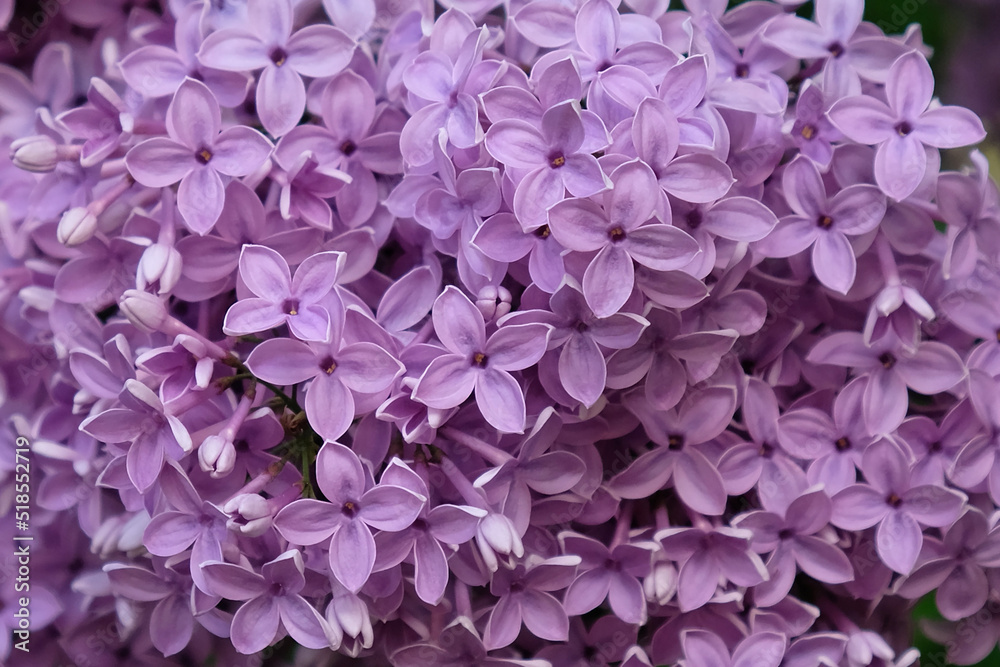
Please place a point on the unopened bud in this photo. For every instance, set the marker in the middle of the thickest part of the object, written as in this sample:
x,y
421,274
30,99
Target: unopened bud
x,y
159,262
76,226
250,514
38,153
493,302
146,311
217,456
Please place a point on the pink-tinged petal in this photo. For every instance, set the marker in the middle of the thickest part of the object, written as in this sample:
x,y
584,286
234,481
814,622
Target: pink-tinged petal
x,y
310,323
429,77
308,521
458,323
704,648
949,127
171,625
454,524
272,21
579,224
153,71
115,425
252,315
136,583
501,238
790,236
144,462
159,162
352,555
546,24
501,400
265,272
886,402
504,624
587,592
833,261
329,407
609,280
857,507
797,37
544,616
194,118
239,151
699,483
319,50
900,164
562,127
661,247
857,209
283,361
537,192
517,346
234,51
963,593
934,506
666,382
430,567
697,581
627,599
804,189
340,473
898,540
697,178
864,119
644,476
416,141
552,473
582,369
910,85
316,276
200,199
281,99
356,18
366,368
822,561
391,508
934,368
170,533
304,624
233,582
517,143
448,381
655,133
582,176
634,197
597,30
844,348
740,219
255,625
349,106
761,649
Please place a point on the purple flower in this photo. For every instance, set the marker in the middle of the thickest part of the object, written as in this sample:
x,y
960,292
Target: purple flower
x,y
906,126
525,597
281,299
475,362
196,154
271,600
761,649
266,42
354,506
606,573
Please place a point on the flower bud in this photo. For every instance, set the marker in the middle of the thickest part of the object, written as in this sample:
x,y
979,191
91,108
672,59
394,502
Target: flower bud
x,y
38,153
76,226
661,584
250,514
493,302
217,456
159,262
144,310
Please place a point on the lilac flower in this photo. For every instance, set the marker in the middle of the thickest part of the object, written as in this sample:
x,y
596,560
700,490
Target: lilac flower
x,y
474,362
101,125
282,299
618,233
266,42
525,597
172,621
890,500
196,154
762,649
354,507
551,159
606,573
272,600
903,128
824,224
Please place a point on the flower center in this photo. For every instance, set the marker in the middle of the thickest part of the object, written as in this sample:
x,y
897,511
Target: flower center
x,y
350,509
479,359
290,307
887,360
675,441
348,147
543,233
617,235
904,128
824,222
842,444
836,49
557,160
742,71
278,56
694,218
786,533
328,365
203,156
894,500
808,132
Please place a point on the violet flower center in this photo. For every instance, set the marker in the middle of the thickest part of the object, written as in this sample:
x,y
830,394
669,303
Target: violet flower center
x,y
557,160
617,235
544,231
328,365
836,49
203,156
278,56
290,307
479,360
894,500
348,147
808,132
842,444
887,360
742,71
904,128
824,222
350,509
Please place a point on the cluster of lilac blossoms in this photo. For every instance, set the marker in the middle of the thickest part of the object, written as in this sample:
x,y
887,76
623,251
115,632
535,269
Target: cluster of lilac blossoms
x,y
543,333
